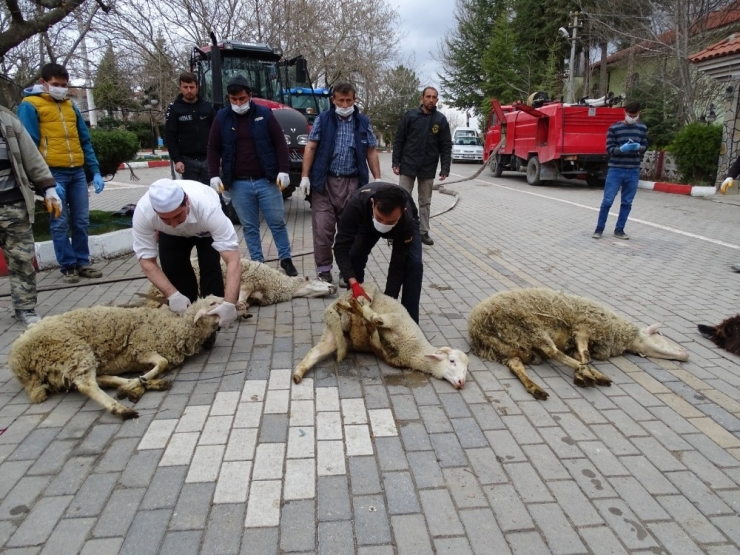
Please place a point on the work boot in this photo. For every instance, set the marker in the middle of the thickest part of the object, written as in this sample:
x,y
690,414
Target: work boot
x,y
426,239
287,265
70,276
325,276
89,272
620,234
27,317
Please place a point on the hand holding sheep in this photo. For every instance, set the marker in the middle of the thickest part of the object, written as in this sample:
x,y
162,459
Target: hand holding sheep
x,y
226,313
178,303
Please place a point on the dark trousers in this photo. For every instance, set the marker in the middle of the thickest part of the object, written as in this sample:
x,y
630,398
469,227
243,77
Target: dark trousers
x,y
196,170
174,256
413,273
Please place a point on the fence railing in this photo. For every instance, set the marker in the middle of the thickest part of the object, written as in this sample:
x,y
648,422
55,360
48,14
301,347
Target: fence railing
x,y
658,165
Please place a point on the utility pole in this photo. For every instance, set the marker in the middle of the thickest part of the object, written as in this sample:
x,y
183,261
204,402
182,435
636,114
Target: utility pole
x,y
88,80
570,93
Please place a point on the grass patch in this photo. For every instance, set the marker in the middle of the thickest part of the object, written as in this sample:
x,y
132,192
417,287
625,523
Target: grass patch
x,y
100,222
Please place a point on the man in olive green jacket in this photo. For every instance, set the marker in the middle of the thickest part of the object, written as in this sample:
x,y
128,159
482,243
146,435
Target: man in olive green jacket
x,y
21,165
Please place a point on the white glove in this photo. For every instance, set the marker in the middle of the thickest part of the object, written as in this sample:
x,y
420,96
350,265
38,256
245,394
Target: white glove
x,y
305,186
283,180
178,303
54,203
226,313
216,185
723,188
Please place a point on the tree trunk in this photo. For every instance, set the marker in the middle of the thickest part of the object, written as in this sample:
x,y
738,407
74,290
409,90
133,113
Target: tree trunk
x,y
603,70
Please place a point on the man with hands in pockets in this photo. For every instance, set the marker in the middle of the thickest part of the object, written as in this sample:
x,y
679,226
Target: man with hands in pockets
x,y
186,214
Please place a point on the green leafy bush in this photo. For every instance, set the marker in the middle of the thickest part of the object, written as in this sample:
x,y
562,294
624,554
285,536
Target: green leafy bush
x,y
696,150
113,148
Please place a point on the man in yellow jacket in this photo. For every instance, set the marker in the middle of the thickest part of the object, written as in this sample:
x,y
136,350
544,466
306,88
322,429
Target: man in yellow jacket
x,y
56,126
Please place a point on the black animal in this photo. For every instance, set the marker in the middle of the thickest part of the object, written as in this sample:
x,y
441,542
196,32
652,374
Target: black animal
x,y
725,335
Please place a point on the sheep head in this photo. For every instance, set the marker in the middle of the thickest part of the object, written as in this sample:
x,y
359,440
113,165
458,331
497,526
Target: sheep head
x,y
312,288
451,365
651,343
201,307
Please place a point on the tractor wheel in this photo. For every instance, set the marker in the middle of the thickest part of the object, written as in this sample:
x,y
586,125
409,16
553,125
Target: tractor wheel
x,y
534,170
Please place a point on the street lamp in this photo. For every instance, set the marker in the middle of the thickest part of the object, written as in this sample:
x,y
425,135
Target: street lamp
x,y
150,103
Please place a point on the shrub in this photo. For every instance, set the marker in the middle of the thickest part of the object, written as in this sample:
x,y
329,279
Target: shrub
x,y
696,150
113,148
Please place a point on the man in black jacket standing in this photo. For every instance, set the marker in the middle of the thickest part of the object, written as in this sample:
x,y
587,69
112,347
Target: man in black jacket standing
x,y
422,139
189,120
374,211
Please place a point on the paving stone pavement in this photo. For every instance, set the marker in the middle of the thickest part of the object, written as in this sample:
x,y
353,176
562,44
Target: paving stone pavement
x,y
364,458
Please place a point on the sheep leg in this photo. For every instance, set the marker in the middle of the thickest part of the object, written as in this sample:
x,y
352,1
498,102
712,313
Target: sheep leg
x,y
581,338
88,386
517,367
324,348
133,389
244,293
582,375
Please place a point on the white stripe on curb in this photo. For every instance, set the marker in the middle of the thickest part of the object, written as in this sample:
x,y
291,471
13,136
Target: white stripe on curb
x,y
107,245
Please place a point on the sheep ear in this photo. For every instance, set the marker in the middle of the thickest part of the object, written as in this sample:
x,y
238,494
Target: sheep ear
x,y
445,350
650,330
202,312
436,356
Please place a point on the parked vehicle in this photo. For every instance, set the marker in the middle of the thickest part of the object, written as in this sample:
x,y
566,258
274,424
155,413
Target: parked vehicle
x,y
467,149
460,132
268,75
309,101
550,142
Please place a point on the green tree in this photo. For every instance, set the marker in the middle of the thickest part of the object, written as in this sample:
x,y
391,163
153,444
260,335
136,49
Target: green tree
x,y
658,101
461,49
111,91
400,91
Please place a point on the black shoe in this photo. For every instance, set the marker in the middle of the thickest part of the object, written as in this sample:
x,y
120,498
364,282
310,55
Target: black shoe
x,y
597,234
325,276
287,265
211,341
619,234
426,239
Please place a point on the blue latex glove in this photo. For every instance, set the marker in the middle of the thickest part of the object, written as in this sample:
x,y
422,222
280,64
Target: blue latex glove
x,y
629,147
98,183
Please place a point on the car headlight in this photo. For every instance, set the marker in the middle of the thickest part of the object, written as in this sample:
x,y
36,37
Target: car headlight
x,y
302,140
287,139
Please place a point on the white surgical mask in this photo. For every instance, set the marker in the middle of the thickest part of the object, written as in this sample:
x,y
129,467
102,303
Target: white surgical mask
x,y
58,93
382,228
241,108
344,112
630,119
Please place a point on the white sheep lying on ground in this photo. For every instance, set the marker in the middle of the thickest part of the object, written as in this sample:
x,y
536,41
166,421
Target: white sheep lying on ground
x,y
88,348
528,325
385,328
264,286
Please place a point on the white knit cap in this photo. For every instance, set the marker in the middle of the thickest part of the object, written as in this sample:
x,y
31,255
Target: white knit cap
x,y
165,195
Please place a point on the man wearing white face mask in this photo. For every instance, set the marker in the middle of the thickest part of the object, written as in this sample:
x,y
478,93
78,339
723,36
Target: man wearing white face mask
x,y
56,126
626,142
248,146
382,210
340,148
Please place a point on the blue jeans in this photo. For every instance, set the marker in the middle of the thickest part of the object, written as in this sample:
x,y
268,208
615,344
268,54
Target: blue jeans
x,y
618,179
248,197
75,216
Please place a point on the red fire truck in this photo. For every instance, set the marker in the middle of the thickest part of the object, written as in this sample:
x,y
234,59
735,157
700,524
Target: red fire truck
x,y
550,141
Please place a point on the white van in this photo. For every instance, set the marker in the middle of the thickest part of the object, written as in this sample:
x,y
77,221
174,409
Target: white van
x,y
464,132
